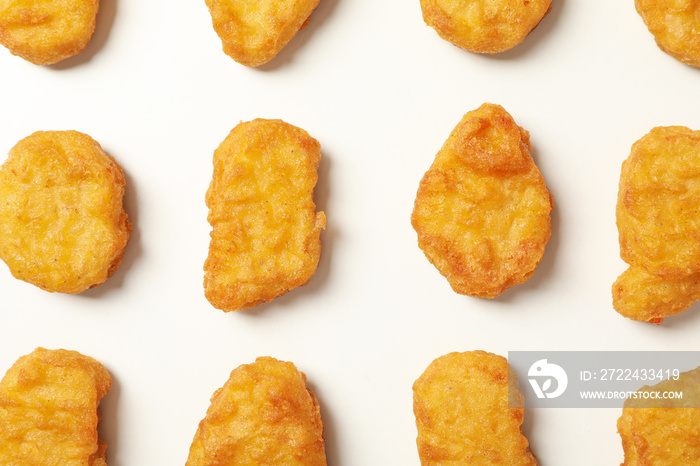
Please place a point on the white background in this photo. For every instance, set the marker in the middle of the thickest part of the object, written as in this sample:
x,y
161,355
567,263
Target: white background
x,y
381,92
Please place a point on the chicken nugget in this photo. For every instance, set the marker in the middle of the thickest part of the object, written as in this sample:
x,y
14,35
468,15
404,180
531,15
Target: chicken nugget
x,y
645,297
484,26
49,410
658,219
264,414
675,25
62,224
461,404
46,32
482,211
253,31
658,208
658,430
265,237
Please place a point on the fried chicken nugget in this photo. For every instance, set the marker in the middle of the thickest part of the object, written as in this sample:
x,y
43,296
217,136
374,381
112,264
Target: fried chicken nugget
x,y
484,26
656,431
675,25
461,404
482,209
46,32
253,31
645,297
265,237
62,224
49,410
658,218
264,414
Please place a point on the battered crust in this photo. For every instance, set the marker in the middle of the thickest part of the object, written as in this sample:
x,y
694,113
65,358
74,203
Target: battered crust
x,y
463,416
658,219
265,237
254,31
46,32
62,224
675,25
482,211
484,26
49,410
264,414
657,431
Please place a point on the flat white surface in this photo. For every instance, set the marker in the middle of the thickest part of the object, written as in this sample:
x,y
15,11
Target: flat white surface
x,y
381,92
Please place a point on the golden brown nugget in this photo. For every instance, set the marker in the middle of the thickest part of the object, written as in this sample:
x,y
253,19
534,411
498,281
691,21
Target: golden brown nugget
x,y
62,224
482,209
264,414
49,410
657,208
484,26
659,225
462,412
663,431
253,31
265,237
46,32
675,25
645,297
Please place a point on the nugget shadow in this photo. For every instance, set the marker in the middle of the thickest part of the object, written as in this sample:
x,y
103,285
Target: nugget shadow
x,y
681,320
321,194
108,429
133,248
329,431
526,428
317,18
103,26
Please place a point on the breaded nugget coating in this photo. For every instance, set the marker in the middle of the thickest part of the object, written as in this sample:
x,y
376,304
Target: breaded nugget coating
x,y
49,410
265,237
484,26
463,415
62,224
675,25
254,31
264,414
663,431
48,31
658,219
482,209
658,212
645,297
